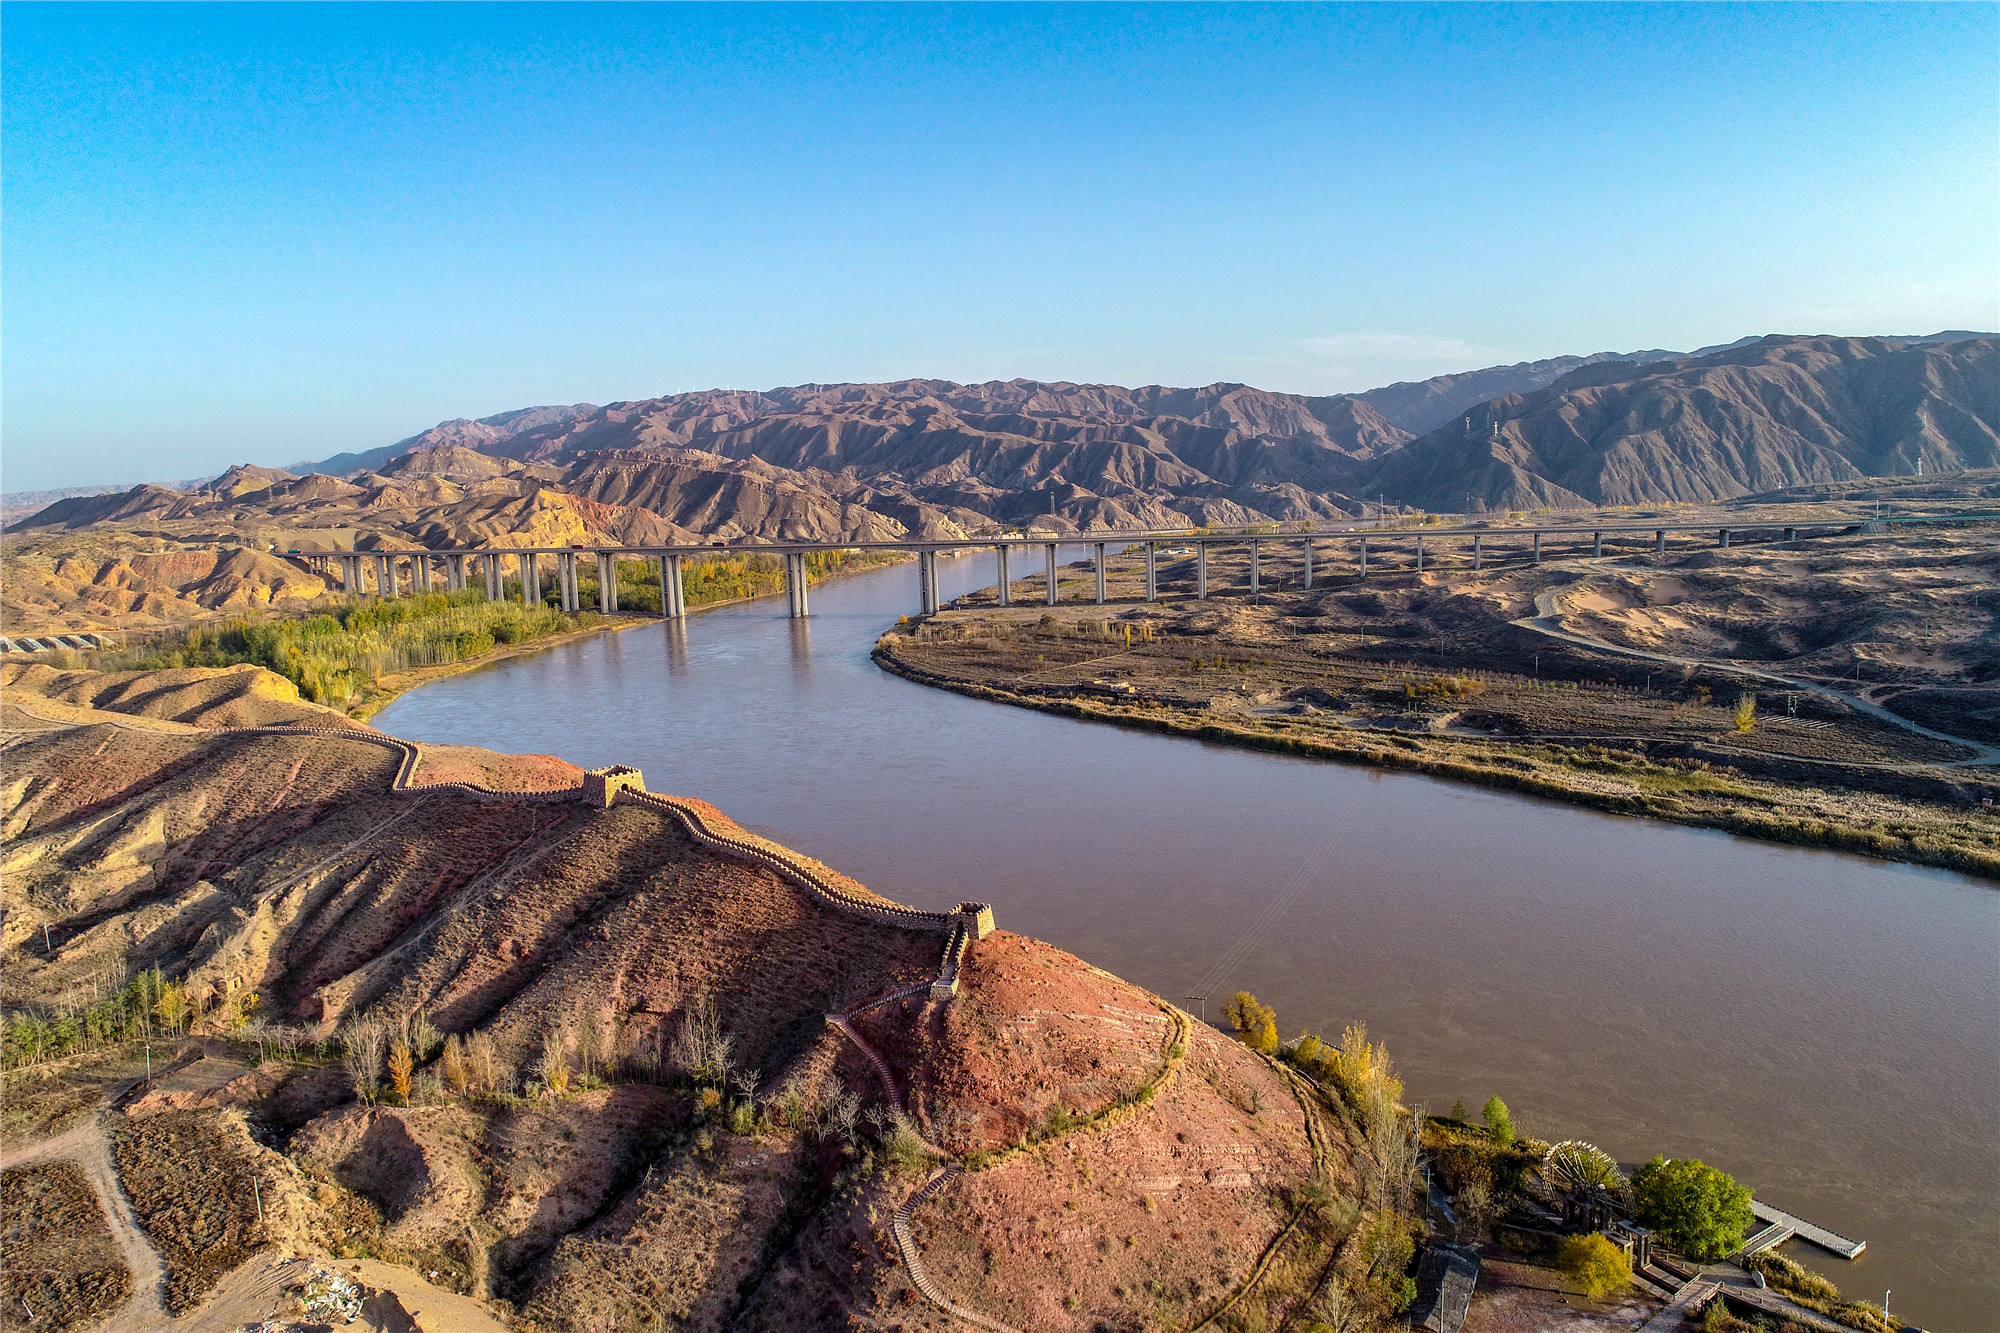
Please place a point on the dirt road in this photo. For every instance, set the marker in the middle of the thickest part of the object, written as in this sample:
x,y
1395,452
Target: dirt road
x,y
88,1148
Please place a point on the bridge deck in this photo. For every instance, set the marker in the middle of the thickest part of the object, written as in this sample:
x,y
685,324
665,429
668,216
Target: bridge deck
x,y
1033,539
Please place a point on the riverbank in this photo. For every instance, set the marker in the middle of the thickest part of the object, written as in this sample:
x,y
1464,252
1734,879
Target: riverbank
x,y
390,688
1239,675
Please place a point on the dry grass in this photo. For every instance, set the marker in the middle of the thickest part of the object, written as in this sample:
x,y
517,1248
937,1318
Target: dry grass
x,y
58,1260
189,1182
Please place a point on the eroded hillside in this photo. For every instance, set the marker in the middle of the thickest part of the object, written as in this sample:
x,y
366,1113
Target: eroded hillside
x,y
574,1063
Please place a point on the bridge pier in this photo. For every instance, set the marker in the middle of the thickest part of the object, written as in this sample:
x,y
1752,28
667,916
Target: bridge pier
x,y
1098,551
1725,539
349,575
1050,550
531,580
1000,561
1660,543
1791,535
673,597
1364,557
1596,545
1307,547
496,587
607,583
566,580
1475,554
1253,569
454,573
795,584
420,572
927,589
1538,548
1201,571
1420,555
1152,574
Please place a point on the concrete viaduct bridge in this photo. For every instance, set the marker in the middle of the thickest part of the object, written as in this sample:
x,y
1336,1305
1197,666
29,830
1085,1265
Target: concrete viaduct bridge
x,y
1327,551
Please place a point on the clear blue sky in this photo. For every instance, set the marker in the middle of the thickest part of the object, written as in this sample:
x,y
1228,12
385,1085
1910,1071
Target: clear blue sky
x,y
272,233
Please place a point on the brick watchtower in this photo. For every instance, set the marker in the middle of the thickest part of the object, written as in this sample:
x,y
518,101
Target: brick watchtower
x,y
602,785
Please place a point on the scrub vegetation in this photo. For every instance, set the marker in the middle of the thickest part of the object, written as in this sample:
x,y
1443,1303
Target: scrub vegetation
x,y
334,657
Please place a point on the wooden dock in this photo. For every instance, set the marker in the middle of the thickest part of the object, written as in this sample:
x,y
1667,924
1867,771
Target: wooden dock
x,y
1777,1219
1679,1312
1775,1234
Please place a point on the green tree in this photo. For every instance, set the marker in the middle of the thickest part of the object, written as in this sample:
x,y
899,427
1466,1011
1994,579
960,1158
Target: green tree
x,y
1458,1111
1256,1024
172,1006
1691,1206
1497,1119
1595,1264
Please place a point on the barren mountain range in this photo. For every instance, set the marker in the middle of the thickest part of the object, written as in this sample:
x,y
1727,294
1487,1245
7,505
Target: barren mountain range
x,y
936,458
932,458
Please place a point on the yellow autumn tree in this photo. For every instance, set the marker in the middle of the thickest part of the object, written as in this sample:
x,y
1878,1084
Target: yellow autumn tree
x,y
1256,1023
401,1066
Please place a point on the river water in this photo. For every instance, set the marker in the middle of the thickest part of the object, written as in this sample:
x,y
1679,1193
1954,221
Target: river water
x,y
1822,1026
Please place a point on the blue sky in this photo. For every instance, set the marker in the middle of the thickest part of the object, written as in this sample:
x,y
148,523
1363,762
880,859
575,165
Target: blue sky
x,y
273,233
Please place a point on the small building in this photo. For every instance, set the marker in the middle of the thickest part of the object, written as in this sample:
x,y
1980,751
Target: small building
x,y
1635,1240
1445,1282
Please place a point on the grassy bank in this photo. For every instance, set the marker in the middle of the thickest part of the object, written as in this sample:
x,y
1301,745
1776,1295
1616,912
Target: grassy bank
x,y
337,656
358,656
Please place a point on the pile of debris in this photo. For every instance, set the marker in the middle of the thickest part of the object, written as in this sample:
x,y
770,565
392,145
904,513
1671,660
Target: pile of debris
x,y
328,1297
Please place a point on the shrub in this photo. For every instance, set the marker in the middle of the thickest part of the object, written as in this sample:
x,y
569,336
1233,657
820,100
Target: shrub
x,y
1745,713
1497,1119
1792,1278
904,1151
1595,1264
554,1065
1694,1208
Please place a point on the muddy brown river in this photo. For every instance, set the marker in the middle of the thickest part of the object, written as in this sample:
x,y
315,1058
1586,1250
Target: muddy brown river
x,y
1822,1026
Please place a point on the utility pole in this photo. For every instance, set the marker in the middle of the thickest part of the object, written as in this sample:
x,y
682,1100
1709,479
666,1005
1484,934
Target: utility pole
x,y
1202,1000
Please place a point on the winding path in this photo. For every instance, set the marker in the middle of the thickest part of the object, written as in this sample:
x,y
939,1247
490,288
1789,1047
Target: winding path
x,y
1544,622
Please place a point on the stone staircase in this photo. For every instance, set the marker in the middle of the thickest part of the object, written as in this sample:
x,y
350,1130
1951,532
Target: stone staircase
x,y
913,1259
